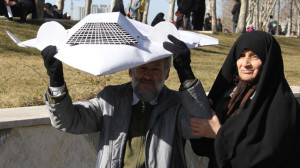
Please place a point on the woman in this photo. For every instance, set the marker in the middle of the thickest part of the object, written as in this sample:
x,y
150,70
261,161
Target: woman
x,y
257,118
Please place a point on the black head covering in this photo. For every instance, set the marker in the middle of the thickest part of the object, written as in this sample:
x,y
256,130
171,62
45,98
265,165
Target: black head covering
x,y
266,132
158,18
119,7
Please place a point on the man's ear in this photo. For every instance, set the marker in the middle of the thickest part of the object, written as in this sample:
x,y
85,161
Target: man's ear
x,y
167,74
130,72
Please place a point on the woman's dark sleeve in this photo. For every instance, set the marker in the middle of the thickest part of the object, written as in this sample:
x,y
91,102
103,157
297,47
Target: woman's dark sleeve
x,y
203,146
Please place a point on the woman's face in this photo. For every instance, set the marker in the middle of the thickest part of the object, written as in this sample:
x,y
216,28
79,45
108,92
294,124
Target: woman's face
x,y
249,65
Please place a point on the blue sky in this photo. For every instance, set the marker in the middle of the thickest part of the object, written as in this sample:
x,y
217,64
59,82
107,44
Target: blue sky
x,y
155,7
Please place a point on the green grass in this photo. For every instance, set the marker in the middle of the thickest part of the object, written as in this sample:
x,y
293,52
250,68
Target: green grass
x,y
23,78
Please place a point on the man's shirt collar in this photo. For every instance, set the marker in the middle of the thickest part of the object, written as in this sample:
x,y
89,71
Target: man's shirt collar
x,y
135,100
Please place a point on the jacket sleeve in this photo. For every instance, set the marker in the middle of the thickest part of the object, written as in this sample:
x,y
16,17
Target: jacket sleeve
x,y
194,104
137,5
78,118
234,9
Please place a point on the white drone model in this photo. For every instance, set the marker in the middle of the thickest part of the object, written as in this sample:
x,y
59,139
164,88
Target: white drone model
x,y
109,42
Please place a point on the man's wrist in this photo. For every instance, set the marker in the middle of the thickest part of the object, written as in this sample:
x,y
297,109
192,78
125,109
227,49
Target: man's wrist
x,y
57,91
187,84
185,74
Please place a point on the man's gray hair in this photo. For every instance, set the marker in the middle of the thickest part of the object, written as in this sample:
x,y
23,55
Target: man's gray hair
x,y
167,63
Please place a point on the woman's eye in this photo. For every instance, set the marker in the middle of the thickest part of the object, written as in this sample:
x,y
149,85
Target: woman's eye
x,y
254,57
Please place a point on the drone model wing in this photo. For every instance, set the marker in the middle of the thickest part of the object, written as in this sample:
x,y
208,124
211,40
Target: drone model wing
x,y
109,42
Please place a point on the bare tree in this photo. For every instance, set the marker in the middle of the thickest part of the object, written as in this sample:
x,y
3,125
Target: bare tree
x,y
209,6
171,10
40,8
290,20
257,14
214,16
60,5
227,16
112,4
297,4
278,17
251,12
88,4
146,10
241,27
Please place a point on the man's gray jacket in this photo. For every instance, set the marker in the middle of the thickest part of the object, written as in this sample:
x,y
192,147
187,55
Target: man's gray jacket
x,y
110,113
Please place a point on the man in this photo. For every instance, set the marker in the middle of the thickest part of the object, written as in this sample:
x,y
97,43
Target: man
x,y
272,25
198,14
235,12
219,25
48,10
141,123
184,11
132,8
57,13
207,22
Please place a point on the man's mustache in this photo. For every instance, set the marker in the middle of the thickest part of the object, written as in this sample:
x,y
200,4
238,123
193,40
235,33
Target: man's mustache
x,y
146,80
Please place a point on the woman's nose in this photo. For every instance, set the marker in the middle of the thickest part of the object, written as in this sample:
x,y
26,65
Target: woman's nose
x,y
246,61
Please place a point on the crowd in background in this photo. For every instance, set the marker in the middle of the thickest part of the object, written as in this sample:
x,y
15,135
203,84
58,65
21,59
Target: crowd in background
x,y
190,15
18,8
23,8
51,11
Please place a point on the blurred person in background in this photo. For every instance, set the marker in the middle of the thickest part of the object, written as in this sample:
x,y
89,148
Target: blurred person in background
x,y
158,18
219,26
235,12
21,8
132,8
207,22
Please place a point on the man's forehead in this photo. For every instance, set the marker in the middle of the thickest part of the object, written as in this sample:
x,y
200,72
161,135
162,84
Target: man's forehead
x,y
155,63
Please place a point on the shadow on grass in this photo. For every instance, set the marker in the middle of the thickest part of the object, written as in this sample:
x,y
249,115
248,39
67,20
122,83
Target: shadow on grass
x,y
18,51
38,22
209,51
66,23
292,42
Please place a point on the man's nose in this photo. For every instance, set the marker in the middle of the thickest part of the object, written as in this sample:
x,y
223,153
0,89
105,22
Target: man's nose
x,y
147,74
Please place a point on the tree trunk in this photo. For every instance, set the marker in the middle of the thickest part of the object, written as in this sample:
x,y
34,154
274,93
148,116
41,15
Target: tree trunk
x,y
112,4
171,10
298,24
146,9
278,17
288,33
209,6
88,4
60,5
241,27
251,13
257,25
40,8
214,16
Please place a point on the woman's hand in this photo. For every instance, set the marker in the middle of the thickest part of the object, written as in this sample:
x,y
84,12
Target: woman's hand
x,y
206,127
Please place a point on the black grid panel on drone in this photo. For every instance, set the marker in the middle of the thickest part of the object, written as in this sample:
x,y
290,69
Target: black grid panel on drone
x,y
101,33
